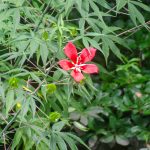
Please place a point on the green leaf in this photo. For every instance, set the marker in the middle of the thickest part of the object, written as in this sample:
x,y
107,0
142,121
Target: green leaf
x,y
85,42
105,48
35,77
120,4
107,139
94,34
58,126
103,3
77,139
33,47
61,143
81,26
122,140
68,5
80,126
33,106
3,6
135,14
96,9
114,49
112,122
44,53
9,100
16,18
25,108
61,100
57,74
79,5
132,12
16,139
53,142
95,44
44,92
69,141
29,144
145,7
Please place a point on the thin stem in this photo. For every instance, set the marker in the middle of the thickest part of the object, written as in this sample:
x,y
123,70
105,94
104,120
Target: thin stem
x,y
132,29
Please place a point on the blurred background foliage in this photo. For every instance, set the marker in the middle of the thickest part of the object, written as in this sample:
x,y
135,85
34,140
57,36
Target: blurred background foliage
x,y
42,107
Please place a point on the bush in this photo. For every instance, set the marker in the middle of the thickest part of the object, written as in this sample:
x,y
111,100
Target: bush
x,y
45,105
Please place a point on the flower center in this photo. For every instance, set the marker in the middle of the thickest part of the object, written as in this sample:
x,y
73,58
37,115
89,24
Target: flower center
x,y
77,67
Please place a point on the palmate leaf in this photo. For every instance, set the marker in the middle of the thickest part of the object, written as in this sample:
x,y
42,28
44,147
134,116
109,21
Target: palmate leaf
x,y
136,15
114,49
68,140
77,139
96,9
93,24
95,44
107,45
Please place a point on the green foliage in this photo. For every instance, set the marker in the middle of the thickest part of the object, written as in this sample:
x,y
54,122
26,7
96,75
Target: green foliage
x,y
41,106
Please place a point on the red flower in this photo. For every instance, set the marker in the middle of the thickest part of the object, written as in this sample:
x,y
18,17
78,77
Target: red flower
x,y
77,63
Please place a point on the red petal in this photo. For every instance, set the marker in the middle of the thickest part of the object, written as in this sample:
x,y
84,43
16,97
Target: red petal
x,y
78,76
90,68
71,52
87,54
65,64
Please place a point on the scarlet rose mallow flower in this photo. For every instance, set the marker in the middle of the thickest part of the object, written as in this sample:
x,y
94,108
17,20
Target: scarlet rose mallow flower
x,y
77,63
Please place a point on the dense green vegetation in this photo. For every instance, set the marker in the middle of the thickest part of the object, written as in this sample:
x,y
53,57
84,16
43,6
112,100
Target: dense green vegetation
x,y
42,107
